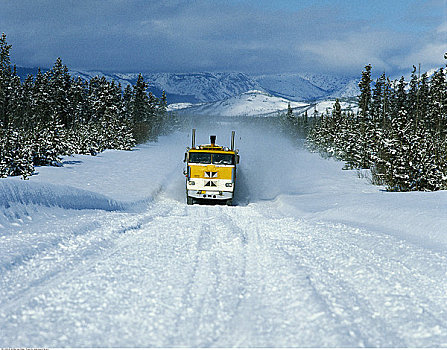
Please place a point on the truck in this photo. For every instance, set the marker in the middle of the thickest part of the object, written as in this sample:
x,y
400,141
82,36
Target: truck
x,y
210,171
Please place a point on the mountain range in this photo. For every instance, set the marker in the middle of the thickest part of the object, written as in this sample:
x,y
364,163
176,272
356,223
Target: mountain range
x,y
259,103
211,87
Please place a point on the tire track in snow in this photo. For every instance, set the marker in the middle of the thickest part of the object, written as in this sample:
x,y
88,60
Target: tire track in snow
x,y
69,256
214,286
361,278
279,308
202,276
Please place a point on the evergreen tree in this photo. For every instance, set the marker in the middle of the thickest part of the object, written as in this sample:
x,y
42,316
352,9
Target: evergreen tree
x,y
59,87
401,134
437,101
289,112
5,81
53,115
365,92
337,111
378,99
140,111
78,98
127,100
413,98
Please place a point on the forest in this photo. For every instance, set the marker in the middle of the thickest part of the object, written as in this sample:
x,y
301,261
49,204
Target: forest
x,y
399,132
53,114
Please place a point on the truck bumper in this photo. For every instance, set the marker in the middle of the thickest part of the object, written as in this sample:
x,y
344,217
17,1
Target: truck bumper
x,y
209,194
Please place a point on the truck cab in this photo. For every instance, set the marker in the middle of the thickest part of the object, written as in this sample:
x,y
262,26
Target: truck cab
x,y
210,171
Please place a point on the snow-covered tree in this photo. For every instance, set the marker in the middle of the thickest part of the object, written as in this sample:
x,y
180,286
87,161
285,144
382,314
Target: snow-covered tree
x,y
401,134
365,92
52,115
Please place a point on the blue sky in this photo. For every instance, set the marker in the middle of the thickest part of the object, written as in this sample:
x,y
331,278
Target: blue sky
x,y
252,36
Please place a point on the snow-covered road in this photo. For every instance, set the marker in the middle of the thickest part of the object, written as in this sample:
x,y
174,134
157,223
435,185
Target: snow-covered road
x,y
105,253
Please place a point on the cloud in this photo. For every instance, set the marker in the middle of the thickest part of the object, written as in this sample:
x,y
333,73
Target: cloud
x,y
198,35
352,50
429,52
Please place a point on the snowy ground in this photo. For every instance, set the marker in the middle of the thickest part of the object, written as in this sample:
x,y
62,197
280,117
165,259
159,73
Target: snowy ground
x,y
104,252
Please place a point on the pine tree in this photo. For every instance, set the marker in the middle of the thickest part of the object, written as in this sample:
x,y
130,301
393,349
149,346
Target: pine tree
x,y
5,81
413,98
437,101
59,87
140,111
15,108
337,111
423,101
78,98
365,92
289,114
377,103
53,115
41,109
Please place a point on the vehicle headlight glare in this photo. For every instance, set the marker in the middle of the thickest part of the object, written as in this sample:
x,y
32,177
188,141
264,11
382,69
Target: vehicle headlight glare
x,y
229,184
192,183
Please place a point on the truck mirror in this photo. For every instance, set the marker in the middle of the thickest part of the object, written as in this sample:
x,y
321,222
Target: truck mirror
x,y
184,160
237,159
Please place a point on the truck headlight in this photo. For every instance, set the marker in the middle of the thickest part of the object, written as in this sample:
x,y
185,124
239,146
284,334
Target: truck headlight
x,y
192,183
229,184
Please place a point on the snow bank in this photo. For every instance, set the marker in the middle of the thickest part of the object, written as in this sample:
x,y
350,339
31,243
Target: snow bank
x,y
112,181
14,192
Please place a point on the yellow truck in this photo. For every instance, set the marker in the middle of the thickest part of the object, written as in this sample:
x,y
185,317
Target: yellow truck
x,y
210,171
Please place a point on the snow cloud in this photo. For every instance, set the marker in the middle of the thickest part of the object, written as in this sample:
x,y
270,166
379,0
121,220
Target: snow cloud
x,y
208,35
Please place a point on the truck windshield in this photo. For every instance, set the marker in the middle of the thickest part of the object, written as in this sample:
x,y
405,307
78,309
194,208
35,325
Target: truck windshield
x,y
208,158
219,158
199,157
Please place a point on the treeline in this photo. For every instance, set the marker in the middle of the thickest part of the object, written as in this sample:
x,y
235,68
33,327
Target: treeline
x,y
399,132
297,126
54,114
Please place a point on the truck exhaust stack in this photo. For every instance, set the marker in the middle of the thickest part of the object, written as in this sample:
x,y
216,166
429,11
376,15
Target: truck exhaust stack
x,y
213,140
232,140
193,141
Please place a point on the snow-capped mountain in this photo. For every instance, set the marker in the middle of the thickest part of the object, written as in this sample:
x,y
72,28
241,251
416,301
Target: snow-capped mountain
x,y
308,87
250,103
186,87
213,87
259,103
290,86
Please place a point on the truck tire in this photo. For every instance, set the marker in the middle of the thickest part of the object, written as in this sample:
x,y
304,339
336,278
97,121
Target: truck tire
x,y
189,200
229,202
